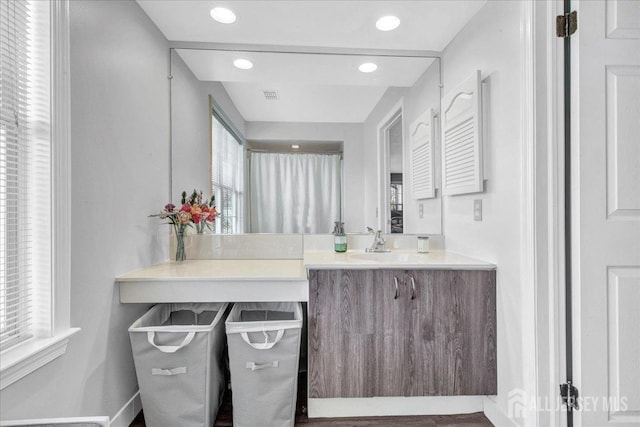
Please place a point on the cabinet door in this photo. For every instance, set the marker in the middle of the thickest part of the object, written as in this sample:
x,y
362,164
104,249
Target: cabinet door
x,y
435,336
344,315
455,333
394,351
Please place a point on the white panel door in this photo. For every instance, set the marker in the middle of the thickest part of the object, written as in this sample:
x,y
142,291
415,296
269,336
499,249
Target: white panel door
x,y
606,211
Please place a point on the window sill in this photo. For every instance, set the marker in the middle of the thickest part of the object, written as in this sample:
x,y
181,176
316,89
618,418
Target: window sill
x,y
25,358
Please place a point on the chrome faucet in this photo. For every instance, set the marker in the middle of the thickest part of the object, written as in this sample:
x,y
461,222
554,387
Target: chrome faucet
x,y
378,242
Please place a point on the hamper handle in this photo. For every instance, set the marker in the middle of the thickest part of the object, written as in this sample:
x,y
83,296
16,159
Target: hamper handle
x,y
257,366
170,348
169,372
265,345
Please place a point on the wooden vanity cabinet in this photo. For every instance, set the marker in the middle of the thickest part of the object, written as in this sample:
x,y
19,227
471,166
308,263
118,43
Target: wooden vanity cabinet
x,y
402,333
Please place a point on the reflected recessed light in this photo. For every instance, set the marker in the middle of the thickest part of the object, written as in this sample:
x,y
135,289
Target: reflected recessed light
x,y
223,15
368,67
295,146
388,23
243,64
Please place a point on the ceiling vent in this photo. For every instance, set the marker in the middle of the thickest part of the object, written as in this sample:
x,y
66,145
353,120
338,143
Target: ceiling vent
x,y
270,95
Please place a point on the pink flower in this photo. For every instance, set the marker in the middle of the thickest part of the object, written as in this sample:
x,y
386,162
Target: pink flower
x,y
196,217
185,208
169,207
212,215
184,217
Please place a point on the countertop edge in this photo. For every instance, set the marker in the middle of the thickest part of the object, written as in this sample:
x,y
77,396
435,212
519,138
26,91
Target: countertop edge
x,y
210,279
354,266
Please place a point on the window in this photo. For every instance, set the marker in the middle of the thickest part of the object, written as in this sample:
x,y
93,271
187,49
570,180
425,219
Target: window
x,y
33,42
227,173
24,170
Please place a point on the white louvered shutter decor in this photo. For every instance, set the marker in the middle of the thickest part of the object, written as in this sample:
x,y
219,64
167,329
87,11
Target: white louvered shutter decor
x,y
462,138
422,166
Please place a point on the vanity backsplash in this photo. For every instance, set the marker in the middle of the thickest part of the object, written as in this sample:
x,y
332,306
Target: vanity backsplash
x,y
286,246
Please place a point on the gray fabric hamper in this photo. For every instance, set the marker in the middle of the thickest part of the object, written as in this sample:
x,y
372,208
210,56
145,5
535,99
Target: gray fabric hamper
x,y
263,360
178,350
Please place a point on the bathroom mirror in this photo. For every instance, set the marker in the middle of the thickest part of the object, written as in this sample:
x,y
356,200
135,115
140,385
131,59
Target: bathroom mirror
x,y
291,142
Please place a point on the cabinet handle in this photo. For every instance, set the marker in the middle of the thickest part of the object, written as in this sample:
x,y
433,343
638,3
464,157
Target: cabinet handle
x,y
395,281
413,287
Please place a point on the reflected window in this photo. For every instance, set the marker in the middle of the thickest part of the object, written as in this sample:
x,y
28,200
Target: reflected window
x,y
227,177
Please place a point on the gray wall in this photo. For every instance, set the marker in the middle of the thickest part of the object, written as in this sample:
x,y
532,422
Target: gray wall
x,y
424,94
120,171
491,42
191,156
370,151
190,129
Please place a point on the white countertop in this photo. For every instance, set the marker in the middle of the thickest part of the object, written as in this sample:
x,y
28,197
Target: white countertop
x,y
324,260
223,280
217,281
221,269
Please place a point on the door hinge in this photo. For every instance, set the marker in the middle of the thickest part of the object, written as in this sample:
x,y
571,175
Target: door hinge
x,y
566,24
569,394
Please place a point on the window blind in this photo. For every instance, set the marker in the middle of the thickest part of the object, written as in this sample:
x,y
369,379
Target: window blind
x,y
24,170
227,178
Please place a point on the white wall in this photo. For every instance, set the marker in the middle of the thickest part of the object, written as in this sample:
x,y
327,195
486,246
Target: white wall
x,y
191,154
120,171
351,136
491,43
424,94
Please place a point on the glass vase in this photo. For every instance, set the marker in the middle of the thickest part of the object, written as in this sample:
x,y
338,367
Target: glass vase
x,y
181,255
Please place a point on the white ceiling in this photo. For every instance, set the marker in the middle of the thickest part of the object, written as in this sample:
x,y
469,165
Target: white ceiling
x,y
425,25
305,103
311,88
215,65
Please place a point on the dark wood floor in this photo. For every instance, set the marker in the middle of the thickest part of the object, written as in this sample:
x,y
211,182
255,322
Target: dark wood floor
x,y
466,420
225,417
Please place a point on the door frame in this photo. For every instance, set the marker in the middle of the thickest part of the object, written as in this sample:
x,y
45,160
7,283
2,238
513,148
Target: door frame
x,y
543,225
395,113
542,233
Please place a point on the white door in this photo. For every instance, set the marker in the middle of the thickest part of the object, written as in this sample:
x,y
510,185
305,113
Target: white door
x,y
606,211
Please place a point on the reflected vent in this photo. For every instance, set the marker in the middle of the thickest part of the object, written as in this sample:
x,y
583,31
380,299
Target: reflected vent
x,y
270,95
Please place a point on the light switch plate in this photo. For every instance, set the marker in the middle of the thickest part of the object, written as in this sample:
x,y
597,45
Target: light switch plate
x,y
477,210
420,210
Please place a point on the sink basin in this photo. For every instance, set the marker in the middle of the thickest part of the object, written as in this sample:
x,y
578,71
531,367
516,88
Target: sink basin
x,y
388,257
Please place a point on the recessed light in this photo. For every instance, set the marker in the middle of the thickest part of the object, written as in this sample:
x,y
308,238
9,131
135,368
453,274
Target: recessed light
x,y
243,64
368,67
388,23
223,15
295,146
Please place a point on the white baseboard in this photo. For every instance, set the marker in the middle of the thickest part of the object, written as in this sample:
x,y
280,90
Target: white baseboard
x,y
394,406
128,412
495,414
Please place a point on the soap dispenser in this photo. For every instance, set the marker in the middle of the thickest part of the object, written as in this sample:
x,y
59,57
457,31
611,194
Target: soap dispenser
x,y
339,237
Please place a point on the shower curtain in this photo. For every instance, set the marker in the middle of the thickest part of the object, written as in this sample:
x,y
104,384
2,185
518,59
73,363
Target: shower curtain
x,y
295,192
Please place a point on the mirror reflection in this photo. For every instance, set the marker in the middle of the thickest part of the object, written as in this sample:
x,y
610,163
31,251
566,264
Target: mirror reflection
x,y
292,142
